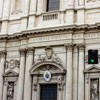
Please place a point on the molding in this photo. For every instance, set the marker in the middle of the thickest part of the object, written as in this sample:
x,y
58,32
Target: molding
x,y
41,64
10,73
92,69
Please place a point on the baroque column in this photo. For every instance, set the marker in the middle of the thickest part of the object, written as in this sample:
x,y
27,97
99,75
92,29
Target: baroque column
x,y
21,74
28,80
75,72
3,55
69,73
81,73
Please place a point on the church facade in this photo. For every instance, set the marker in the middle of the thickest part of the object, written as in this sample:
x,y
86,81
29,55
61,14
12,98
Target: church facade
x,y
44,49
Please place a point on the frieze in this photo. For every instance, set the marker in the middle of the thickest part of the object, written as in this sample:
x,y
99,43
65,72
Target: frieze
x,y
13,63
50,38
13,44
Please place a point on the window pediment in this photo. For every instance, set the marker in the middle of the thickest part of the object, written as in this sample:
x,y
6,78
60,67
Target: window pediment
x,y
10,73
53,67
92,69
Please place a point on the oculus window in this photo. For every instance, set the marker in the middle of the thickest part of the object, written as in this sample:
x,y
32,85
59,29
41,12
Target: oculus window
x,y
52,5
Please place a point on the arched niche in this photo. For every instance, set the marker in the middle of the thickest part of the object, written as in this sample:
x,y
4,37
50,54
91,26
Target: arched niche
x,y
57,77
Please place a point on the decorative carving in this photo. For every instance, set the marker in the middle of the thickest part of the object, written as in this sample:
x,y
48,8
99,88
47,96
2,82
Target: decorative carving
x,y
10,91
47,67
35,82
54,58
12,64
94,89
69,47
60,82
2,52
81,47
49,52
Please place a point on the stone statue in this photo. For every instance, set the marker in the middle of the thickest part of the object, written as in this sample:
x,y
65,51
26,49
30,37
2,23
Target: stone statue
x,y
94,89
10,91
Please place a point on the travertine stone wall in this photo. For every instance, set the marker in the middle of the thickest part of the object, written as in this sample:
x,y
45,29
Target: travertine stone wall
x,y
26,16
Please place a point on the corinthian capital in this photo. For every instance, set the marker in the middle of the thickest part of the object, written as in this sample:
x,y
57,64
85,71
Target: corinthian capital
x,y
2,52
69,46
81,47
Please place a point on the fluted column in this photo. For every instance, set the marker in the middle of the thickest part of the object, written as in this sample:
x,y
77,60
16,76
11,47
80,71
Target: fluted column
x,y
21,74
81,73
69,73
28,79
3,55
75,72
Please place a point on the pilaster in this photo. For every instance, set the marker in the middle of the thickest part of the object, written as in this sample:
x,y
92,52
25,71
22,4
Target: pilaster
x,y
75,72
69,48
80,16
32,14
21,74
6,9
1,6
3,55
39,7
4,27
28,78
81,73
5,90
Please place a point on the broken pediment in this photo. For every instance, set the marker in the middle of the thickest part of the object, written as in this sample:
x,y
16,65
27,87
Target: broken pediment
x,y
53,67
10,73
92,69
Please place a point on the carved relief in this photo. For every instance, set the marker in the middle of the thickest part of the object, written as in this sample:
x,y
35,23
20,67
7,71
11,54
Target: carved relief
x,y
49,57
60,82
12,64
94,89
35,82
10,91
49,52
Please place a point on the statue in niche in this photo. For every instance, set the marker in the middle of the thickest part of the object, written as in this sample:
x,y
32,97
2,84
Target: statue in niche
x,y
10,91
94,89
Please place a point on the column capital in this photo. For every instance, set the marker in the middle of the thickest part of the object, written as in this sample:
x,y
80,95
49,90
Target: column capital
x,y
69,46
22,50
2,52
81,47
30,49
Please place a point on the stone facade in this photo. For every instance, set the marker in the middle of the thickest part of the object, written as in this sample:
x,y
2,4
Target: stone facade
x,y
33,41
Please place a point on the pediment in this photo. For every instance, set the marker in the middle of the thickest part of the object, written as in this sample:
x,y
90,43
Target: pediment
x,y
92,69
10,73
51,66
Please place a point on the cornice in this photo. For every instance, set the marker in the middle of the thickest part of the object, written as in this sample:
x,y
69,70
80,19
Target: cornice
x,y
48,31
